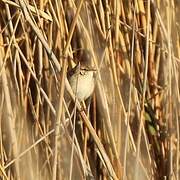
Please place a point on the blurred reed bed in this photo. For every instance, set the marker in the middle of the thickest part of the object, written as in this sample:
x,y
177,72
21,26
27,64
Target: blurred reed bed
x,y
132,131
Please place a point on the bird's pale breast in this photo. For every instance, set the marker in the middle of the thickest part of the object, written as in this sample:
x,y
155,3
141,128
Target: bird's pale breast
x,y
83,84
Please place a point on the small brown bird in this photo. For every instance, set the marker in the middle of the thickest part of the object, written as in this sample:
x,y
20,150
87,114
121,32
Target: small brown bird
x,y
82,77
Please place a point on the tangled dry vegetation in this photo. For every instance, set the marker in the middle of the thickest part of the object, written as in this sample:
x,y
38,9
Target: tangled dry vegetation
x,y
132,131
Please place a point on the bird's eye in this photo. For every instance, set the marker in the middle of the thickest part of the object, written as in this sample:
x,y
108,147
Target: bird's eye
x,y
83,72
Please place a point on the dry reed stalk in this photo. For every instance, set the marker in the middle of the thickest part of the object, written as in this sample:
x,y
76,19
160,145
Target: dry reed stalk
x,y
144,88
33,9
137,87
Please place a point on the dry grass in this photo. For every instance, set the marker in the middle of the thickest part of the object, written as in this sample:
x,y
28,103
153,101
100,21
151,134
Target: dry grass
x,y
132,131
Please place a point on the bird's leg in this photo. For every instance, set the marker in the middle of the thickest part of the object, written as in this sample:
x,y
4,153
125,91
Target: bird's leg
x,y
86,134
83,106
88,103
